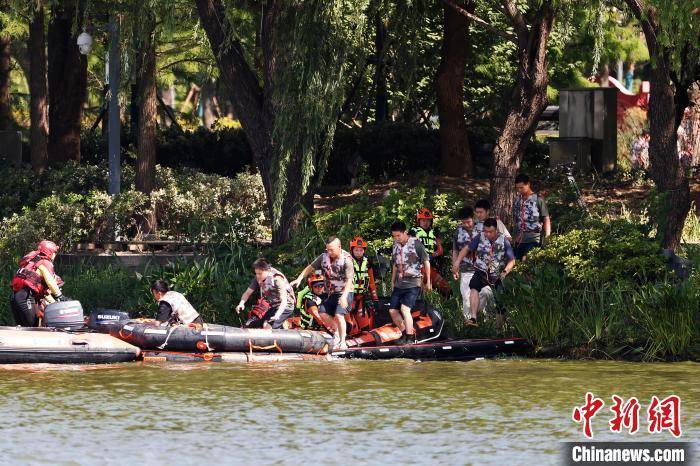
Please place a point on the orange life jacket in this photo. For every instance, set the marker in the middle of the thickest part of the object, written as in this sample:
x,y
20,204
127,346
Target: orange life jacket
x,y
28,274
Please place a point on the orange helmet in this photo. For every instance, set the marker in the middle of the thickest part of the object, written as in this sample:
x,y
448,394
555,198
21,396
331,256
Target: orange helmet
x,y
424,213
316,277
358,242
47,247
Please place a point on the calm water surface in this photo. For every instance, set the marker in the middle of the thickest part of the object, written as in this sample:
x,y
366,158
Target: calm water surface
x,y
349,412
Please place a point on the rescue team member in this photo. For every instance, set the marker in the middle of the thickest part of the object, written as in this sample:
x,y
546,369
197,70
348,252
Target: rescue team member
x,y
409,262
173,307
464,234
493,260
530,216
336,265
275,289
364,275
35,281
482,209
309,303
430,237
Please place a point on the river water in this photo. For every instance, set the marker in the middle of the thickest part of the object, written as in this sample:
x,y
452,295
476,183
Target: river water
x,y
342,412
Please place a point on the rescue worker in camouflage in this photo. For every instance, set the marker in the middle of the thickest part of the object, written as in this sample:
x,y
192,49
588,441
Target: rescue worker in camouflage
x,y
173,307
275,289
409,264
464,233
336,265
530,216
493,260
482,209
432,242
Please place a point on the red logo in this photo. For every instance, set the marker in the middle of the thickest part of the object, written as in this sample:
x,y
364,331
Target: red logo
x,y
662,415
587,412
665,415
626,415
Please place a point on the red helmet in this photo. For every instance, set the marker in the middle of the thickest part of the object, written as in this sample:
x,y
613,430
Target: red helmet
x,y
358,242
47,247
424,213
316,277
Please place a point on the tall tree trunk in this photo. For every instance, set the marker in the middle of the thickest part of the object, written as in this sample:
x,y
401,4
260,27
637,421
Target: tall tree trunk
x,y
5,106
39,125
456,158
694,95
666,169
147,99
255,107
528,100
67,79
382,100
666,104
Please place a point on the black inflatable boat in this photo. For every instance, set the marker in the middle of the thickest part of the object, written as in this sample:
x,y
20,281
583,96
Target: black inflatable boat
x,y
458,350
44,345
149,335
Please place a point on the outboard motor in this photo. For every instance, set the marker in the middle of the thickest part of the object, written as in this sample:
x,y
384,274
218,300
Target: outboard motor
x,y
66,315
103,319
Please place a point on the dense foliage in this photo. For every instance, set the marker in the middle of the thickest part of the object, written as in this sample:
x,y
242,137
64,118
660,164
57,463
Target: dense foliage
x,y
70,206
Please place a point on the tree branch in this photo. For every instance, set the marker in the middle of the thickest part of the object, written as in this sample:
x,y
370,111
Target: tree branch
x,y
639,10
185,60
246,93
516,17
485,24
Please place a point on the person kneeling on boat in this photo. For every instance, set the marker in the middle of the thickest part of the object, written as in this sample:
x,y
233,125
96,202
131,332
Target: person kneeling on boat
x,y
493,260
275,289
409,261
336,265
34,282
309,303
173,307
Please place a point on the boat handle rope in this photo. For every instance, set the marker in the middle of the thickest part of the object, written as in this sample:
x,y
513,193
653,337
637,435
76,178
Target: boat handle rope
x,y
125,337
206,337
167,337
251,347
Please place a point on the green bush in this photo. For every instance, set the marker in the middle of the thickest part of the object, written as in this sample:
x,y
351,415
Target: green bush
x,y
602,289
601,250
190,205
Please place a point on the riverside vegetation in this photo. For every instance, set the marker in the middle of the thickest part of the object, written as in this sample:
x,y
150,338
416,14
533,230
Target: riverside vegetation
x,y
599,288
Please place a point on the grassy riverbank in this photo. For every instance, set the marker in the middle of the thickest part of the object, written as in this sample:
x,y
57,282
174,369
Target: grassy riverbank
x,y
598,289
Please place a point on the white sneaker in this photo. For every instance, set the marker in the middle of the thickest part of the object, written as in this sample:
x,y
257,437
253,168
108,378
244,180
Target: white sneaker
x,y
336,340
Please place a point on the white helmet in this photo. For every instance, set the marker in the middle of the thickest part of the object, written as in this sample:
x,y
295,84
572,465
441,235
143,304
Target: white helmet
x,y
85,43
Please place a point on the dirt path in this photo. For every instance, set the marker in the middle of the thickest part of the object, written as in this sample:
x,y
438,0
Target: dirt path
x,y
632,196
